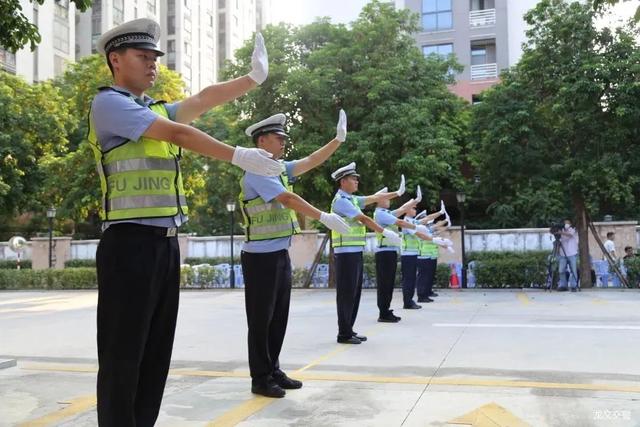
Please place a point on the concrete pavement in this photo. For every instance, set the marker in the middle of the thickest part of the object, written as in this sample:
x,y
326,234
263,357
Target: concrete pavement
x,y
484,358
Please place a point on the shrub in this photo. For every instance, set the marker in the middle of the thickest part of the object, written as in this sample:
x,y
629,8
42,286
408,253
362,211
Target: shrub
x,y
70,278
10,264
73,263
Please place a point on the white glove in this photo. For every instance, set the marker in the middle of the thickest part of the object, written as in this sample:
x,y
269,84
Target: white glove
x,y
259,61
341,130
334,222
442,242
421,214
256,160
422,229
442,208
418,195
394,238
401,189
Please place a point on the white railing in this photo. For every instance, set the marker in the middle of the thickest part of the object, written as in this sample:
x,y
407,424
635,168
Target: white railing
x,y
484,71
482,18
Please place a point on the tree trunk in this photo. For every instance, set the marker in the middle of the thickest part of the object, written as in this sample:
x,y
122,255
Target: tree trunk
x,y
583,244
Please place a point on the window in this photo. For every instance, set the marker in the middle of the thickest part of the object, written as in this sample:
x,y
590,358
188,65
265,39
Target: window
x,y
478,55
118,12
171,25
476,99
171,46
61,35
151,6
58,65
437,15
222,4
442,50
7,61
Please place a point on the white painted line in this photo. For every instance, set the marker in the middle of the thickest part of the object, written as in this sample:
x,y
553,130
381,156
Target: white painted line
x,y
536,326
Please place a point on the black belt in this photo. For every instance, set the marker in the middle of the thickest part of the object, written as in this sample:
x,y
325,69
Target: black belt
x,y
130,227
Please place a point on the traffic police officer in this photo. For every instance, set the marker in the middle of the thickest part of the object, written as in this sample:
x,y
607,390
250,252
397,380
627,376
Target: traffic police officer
x,y
386,254
269,209
137,145
348,248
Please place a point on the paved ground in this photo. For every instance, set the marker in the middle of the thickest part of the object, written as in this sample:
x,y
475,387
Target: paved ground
x,y
494,358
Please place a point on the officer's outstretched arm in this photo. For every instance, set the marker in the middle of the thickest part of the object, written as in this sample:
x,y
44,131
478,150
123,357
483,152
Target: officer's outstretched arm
x,y
375,198
211,96
369,223
405,208
250,159
298,204
405,224
319,156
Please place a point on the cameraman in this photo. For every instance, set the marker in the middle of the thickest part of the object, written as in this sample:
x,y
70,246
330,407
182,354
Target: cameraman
x,y
568,254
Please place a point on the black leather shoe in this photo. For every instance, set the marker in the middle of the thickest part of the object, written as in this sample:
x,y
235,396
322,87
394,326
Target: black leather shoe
x,y
389,318
349,340
285,382
360,337
412,306
427,299
268,389
433,294
574,290
562,289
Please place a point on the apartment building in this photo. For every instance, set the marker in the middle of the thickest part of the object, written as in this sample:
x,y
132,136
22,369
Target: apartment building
x,y
237,21
56,22
484,35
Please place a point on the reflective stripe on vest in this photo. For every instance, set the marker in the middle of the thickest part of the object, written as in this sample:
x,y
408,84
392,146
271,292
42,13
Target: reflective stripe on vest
x,y
357,234
428,249
139,179
266,221
410,243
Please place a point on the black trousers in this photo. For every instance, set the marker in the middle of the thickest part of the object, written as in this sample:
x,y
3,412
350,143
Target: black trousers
x,y
426,276
267,282
138,292
348,290
386,266
409,265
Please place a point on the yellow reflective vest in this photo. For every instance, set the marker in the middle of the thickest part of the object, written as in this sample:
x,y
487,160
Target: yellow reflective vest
x,y
357,235
267,220
139,179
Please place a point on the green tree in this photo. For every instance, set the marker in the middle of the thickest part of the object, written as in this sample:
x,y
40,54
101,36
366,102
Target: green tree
x,y
559,134
401,117
15,29
34,122
599,5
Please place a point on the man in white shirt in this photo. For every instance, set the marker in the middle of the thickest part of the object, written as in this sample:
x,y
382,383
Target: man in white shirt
x,y
609,246
568,256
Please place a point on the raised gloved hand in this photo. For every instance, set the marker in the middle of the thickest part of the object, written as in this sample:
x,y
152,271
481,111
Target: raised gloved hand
x,y
334,222
256,160
259,61
341,130
394,238
402,188
418,195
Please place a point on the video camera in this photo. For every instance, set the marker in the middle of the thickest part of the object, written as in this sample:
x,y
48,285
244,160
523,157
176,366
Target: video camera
x,y
556,228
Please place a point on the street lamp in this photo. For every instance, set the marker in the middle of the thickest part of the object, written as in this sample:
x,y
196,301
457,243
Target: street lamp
x,y
51,213
231,207
461,197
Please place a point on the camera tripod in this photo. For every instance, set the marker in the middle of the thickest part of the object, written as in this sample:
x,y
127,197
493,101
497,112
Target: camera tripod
x,y
555,253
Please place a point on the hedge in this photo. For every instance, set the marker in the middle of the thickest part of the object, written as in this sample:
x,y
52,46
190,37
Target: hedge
x,y
12,264
73,263
68,278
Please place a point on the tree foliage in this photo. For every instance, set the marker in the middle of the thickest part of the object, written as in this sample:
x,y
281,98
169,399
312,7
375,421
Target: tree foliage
x,y
401,117
15,29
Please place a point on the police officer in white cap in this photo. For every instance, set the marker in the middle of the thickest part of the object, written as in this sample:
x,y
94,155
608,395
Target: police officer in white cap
x,y
348,248
137,144
386,253
269,207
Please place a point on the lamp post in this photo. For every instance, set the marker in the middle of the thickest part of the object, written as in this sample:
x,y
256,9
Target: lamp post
x,y
51,213
461,197
231,207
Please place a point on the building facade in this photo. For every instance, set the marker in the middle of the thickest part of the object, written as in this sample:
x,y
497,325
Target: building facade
x,y
484,35
56,22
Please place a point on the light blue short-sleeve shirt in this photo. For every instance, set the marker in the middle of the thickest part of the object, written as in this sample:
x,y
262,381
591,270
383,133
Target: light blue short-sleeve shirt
x,y
118,118
384,218
267,188
344,207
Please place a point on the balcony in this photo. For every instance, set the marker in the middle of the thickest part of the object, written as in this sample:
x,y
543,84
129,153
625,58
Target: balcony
x,y
7,61
484,71
482,18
